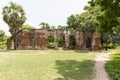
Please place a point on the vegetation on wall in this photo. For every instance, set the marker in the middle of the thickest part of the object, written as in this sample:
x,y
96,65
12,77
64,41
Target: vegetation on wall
x,y
27,26
44,25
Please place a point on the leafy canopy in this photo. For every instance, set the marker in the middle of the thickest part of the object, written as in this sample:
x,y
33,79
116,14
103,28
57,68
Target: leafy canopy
x,y
44,25
84,21
14,16
110,13
3,39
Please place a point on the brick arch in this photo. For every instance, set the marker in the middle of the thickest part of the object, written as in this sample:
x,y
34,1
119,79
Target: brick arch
x,y
27,39
49,45
59,42
74,43
72,35
50,33
61,34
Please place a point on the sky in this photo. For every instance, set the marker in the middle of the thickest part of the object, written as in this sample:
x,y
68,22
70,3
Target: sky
x,y
53,12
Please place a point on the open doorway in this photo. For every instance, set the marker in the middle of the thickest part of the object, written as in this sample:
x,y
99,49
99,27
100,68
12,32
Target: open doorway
x,y
61,42
72,42
51,43
88,43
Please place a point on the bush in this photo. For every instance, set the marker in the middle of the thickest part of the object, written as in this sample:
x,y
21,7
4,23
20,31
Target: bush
x,y
61,41
3,42
51,45
113,67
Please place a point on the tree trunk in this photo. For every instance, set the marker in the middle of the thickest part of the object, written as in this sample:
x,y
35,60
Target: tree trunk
x,y
106,48
91,41
15,40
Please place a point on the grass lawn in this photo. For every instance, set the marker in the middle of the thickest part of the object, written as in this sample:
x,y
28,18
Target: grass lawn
x,y
113,66
46,65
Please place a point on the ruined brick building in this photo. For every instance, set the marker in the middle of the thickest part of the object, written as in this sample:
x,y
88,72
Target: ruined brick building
x,y
38,39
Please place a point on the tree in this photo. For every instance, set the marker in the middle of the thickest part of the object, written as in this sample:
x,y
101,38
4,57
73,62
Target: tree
x,y
52,27
108,20
2,33
61,27
14,16
111,8
72,21
27,26
85,21
44,25
3,39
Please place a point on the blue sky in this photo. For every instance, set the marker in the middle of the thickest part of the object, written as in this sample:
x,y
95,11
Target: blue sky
x,y
54,12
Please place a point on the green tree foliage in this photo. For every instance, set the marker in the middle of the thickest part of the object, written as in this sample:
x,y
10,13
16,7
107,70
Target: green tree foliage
x,y
111,8
109,19
44,25
51,42
3,42
72,22
3,39
110,14
2,33
61,27
85,21
61,41
52,27
14,16
27,26
72,42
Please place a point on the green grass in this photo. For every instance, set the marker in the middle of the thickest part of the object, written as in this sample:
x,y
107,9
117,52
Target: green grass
x,y
113,66
46,65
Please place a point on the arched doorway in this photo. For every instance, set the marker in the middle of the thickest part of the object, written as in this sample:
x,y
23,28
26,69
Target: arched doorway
x,y
88,43
61,41
51,42
72,42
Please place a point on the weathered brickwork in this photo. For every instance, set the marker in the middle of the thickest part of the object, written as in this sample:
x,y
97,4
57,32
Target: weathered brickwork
x,y
38,39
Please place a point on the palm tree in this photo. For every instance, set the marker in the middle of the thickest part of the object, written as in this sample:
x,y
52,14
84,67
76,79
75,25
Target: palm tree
x,y
14,16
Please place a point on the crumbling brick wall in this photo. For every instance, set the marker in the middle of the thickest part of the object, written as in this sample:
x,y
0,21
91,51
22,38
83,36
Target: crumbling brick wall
x,y
38,39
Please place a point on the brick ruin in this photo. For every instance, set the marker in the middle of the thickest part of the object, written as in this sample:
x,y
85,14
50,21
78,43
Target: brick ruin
x,y
38,39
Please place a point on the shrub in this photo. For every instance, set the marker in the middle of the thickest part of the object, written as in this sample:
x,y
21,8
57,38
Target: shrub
x,y
113,67
51,45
